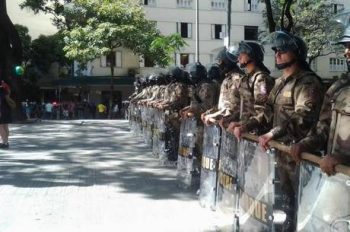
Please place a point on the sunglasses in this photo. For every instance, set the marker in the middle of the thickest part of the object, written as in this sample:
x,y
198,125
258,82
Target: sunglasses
x,y
280,51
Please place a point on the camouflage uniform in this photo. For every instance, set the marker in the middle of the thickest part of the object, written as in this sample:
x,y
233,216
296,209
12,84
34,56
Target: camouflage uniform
x,y
254,90
229,99
334,102
292,107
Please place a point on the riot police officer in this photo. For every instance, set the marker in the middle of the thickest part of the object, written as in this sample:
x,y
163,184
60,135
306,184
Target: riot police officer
x,y
228,98
292,107
254,86
334,112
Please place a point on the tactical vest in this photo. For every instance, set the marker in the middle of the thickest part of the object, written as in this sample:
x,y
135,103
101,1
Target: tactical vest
x,y
339,136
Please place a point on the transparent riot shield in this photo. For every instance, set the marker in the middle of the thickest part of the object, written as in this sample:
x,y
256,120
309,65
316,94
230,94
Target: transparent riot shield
x,y
323,202
144,122
209,167
148,134
138,121
226,194
162,128
187,162
169,141
156,133
256,173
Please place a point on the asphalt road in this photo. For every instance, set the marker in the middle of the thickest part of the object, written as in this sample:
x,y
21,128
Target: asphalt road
x,y
92,176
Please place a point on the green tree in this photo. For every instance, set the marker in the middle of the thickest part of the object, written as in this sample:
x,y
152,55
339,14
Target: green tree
x,y
26,41
311,20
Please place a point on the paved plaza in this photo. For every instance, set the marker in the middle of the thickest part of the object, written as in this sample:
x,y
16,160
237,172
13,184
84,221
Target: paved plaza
x,y
92,176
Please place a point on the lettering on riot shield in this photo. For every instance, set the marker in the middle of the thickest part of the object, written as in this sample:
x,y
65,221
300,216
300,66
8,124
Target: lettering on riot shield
x,y
226,181
209,164
254,208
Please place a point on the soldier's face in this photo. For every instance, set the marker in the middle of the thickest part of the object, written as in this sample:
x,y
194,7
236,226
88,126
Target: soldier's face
x,y
347,51
243,58
283,57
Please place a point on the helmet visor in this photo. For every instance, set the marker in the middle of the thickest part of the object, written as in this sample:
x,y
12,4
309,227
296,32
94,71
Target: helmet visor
x,y
283,42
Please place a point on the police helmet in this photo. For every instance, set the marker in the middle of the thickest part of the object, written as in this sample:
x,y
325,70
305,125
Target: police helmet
x,y
232,54
285,41
176,73
197,72
153,79
214,72
254,50
344,19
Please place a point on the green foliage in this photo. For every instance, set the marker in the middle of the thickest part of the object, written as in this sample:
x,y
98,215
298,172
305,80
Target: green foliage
x,y
106,25
46,50
164,48
26,41
312,21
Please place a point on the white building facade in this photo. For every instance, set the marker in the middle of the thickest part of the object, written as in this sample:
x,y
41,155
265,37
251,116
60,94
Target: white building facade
x,y
179,16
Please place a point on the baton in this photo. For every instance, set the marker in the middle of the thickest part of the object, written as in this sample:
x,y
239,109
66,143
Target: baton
x,y
340,168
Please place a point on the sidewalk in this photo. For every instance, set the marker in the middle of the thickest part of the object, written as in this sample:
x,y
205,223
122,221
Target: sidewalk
x,y
92,176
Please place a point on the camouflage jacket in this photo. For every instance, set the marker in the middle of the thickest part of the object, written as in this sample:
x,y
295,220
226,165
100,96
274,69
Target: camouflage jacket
x,y
205,96
179,96
229,100
317,138
293,106
254,90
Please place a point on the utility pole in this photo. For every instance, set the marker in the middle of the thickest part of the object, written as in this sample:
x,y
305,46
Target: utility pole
x,y
197,31
229,3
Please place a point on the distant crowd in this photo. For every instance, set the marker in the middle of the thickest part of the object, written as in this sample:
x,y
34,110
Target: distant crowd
x,y
69,110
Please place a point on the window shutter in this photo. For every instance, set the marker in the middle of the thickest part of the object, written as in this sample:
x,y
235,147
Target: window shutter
x,y
178,59
118,60
178,27
213,31
189,28
191,58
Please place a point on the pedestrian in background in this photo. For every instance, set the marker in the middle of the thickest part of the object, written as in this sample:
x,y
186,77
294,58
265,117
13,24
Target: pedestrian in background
x,y
5,114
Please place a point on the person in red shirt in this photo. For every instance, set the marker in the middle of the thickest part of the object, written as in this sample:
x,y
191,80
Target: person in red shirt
x,y
5,115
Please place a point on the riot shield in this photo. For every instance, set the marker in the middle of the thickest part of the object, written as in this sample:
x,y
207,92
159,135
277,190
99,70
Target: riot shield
x,y
256,172
323,202
187,162
168,144
226,194
209,167
156,133
148,134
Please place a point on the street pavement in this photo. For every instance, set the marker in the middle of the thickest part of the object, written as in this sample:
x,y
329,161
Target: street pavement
x,y
93,175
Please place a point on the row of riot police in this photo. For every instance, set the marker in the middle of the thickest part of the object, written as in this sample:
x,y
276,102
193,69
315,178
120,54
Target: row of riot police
x,y
196,119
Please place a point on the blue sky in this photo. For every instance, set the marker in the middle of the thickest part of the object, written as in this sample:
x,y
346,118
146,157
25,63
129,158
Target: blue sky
x,y
37,24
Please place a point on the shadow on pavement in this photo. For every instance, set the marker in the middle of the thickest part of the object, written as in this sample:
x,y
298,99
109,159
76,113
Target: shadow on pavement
x,y
75,153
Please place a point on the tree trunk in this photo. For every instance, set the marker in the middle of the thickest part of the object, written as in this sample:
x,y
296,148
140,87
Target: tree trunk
x,y
111,92
269,15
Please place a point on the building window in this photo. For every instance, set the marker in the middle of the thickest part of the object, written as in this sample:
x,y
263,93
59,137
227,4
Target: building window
x,y
185,30
337,65
251,5
218,4
250,33
149,2
336,8
183,59
184,3
112,58
217,31
149,62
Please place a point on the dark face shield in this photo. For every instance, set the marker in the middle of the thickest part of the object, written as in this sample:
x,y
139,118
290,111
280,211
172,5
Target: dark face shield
x,y
283,42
